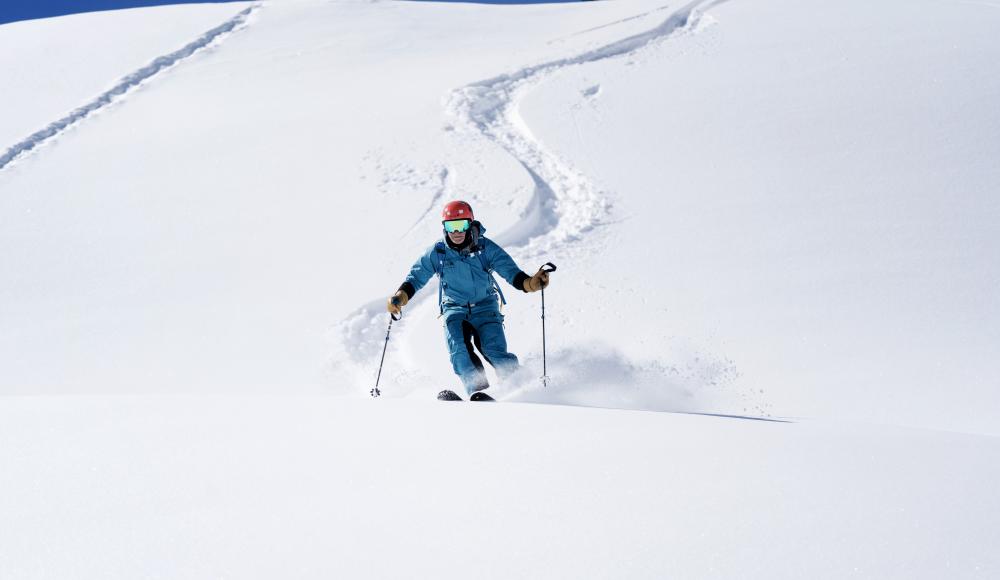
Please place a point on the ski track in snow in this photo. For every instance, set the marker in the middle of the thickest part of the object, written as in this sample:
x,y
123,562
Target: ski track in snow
x,y
608,25
565,204
444,176
128,83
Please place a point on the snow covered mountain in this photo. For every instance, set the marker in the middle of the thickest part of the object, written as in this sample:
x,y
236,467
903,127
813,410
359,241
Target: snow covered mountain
x,y
774,223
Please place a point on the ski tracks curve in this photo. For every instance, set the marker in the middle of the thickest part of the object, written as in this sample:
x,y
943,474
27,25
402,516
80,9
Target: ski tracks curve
x,y
565,204
125,85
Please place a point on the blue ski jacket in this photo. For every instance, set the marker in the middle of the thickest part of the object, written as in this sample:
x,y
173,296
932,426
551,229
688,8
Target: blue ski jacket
x,y
465,275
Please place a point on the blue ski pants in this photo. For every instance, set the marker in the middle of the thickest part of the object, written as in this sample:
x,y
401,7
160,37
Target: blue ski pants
x,y
479,325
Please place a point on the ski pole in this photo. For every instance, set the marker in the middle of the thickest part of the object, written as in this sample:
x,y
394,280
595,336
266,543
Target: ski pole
x,y
375,392
546,267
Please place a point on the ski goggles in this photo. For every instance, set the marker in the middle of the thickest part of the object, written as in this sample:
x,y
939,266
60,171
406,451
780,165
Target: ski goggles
x,y
452,226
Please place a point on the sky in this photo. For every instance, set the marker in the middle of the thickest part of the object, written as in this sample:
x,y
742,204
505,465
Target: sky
x,y
24,10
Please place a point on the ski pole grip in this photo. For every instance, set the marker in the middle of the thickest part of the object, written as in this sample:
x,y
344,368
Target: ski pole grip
x,y
548,267
395,302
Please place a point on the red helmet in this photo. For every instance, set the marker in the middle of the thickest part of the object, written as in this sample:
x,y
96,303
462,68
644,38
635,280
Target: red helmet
x,y
457,210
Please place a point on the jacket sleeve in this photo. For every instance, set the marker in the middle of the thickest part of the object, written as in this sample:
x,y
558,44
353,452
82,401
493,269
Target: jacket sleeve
x,y
504,265
421,273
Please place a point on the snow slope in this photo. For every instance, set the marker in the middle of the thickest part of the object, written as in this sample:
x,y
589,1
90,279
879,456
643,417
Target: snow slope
x,y
54,66
760,210
821,192
266,487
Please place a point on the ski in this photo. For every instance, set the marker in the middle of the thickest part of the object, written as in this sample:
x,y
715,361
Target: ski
x,y
449,395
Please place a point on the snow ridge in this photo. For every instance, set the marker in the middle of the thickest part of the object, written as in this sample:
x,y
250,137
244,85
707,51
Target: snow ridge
x,y
565,205
126,84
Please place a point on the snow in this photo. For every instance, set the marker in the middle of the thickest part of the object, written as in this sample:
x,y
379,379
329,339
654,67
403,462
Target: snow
x,y
774,226
124,85
262,487
55,65
832,192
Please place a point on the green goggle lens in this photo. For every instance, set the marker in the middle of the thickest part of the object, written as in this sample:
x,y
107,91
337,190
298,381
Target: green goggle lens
x,y
452,226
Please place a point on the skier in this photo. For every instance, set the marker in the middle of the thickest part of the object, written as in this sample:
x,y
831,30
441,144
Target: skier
x,y
468,297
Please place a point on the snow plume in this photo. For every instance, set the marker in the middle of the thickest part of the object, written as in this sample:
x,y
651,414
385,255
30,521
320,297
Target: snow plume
x,y
360,338
598,375
566,204
211,38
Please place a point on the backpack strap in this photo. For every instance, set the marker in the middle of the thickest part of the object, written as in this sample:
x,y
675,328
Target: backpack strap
x,y
438,265
496,285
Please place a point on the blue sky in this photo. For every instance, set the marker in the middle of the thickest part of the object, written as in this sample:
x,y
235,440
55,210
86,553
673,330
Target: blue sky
x,y
13,11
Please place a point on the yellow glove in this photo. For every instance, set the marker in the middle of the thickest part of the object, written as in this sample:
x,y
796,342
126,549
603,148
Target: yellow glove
x,y
537,282
396,302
